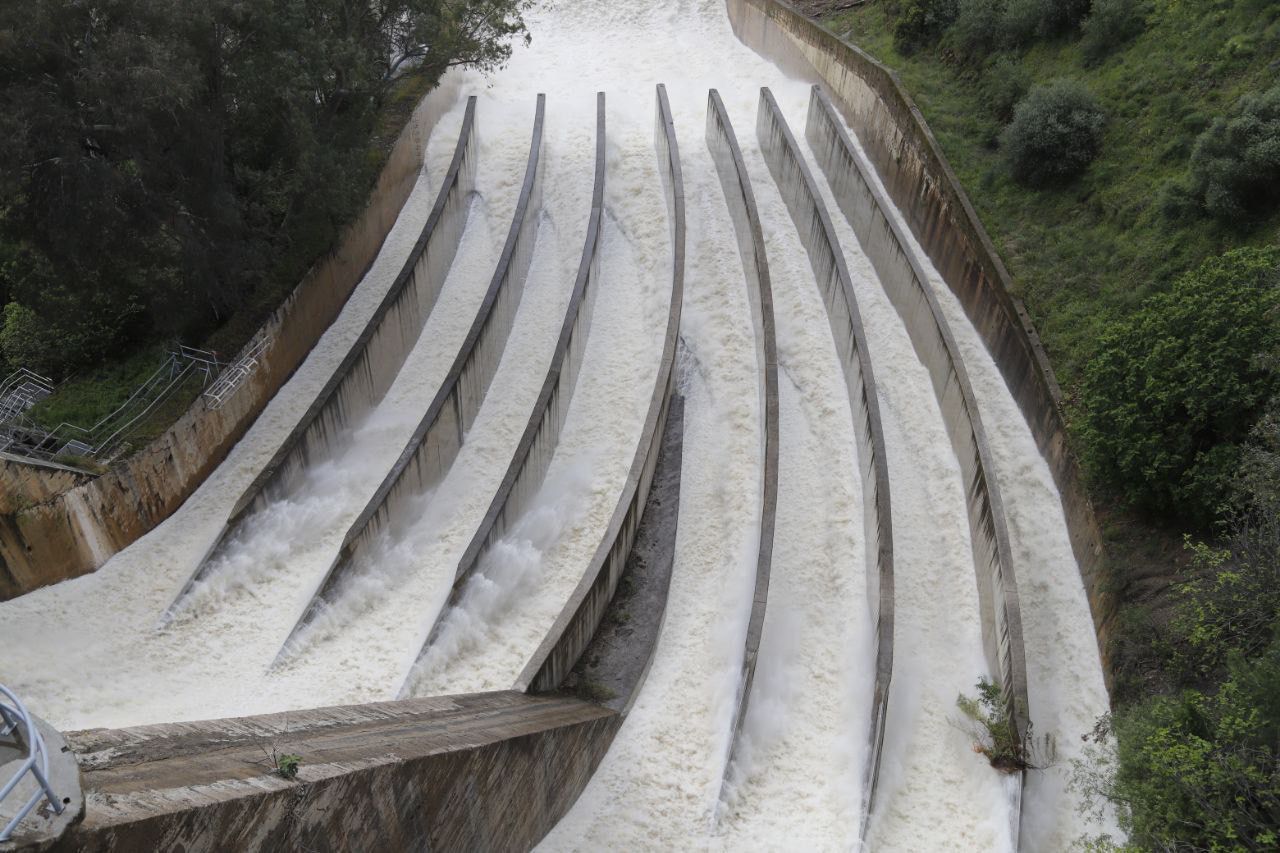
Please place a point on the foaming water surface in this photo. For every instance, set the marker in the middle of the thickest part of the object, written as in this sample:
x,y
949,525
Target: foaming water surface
x,y
797,776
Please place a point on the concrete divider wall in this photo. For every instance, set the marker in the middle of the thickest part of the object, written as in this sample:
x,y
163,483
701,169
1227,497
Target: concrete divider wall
x,y
741,201
434,444
532,457
374,359
923,187
581,615
831,274
906,284
44,540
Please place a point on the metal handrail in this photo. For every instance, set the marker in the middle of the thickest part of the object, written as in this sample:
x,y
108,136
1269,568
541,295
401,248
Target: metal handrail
x,y
11,717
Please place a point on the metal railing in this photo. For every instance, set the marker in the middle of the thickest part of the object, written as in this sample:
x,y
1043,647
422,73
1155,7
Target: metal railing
x,y
20,391
22,436
235,374
15,722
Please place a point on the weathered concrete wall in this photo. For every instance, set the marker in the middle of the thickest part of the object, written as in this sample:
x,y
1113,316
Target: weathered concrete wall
x,y
831,275
922,186
541,435
79,529
581,615
24,483
489,771
437,439
741,200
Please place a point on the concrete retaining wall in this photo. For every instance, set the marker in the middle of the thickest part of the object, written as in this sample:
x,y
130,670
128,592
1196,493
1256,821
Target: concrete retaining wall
x,y
577,622
541,435
831,274
439,435
736,184
489,771
922,186
43,541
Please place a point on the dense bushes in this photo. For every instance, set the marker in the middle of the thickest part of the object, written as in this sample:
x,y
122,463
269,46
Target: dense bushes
x,y
164,164
1235,166
1055,134
920,22
1174,389
1110,25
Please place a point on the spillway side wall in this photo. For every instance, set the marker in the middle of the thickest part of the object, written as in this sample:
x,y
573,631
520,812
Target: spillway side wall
x,y
923,187
438,437
541,436
813,223
44,539
573,629
906,284
736,184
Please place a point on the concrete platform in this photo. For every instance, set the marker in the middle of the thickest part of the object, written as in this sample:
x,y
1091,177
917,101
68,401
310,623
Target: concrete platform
x,y
42,825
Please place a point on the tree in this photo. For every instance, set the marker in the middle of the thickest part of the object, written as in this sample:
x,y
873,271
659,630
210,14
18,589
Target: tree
x,y
1175,389
1055,134
1235,165
162,162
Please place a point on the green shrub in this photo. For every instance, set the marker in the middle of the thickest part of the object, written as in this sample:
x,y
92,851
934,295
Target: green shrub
x,y
1198,771
1235,166
1110,25
978,29
1055,134
921,22
1020,24
1003,85
1174,389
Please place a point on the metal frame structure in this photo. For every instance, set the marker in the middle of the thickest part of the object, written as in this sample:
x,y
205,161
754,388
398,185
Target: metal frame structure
x,y
12,716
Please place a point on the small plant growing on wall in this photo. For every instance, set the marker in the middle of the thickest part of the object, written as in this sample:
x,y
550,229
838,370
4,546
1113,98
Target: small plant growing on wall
x,y
987,722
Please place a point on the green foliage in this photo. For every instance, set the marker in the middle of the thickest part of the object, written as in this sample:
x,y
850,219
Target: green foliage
x,y
287,765
1055,134
1004,84
921,22
1235,167
1175,388
163,165
1201,771
993,731
1110,25
979,28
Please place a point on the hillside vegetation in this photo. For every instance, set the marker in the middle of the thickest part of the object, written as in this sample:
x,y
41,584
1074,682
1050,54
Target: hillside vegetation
x,y
1125,157
169,169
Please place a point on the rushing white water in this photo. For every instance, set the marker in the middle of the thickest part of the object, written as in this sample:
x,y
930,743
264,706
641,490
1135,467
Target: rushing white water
x,y
797,780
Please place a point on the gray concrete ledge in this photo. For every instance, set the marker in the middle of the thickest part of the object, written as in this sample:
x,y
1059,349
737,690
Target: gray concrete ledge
x,y
452,772
576,625
438,438
741,200
541,435
831,275
370,366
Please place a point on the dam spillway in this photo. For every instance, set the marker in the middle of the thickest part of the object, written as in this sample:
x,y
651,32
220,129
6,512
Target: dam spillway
x,y
896,481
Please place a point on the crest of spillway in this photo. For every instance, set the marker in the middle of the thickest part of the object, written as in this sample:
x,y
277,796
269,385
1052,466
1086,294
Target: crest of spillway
x,y
425,608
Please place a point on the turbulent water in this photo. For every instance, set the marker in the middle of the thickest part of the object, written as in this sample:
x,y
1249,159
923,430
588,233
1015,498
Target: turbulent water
x,y
797,777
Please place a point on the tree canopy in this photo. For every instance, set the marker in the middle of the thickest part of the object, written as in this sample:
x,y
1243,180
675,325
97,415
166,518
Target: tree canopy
x,y
163,160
